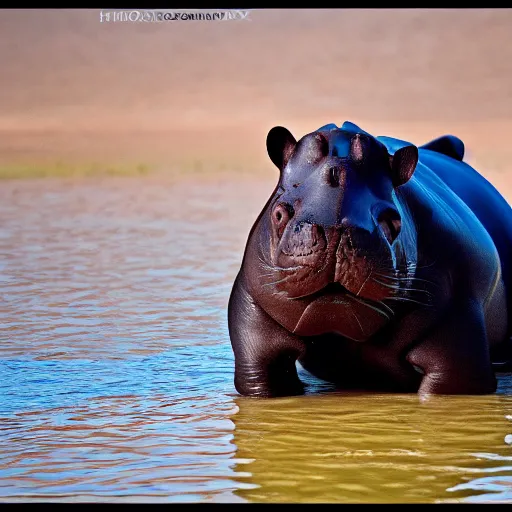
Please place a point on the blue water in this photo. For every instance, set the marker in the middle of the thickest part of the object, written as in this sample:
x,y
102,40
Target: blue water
x,y
117,372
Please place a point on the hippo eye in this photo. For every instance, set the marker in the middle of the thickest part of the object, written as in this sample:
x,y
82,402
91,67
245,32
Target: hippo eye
x,y
333,177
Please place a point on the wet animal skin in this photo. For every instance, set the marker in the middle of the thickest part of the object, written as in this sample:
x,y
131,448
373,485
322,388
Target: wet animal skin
x,y
378,265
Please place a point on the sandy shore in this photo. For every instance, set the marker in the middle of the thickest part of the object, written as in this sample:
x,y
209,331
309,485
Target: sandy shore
x,y
202,96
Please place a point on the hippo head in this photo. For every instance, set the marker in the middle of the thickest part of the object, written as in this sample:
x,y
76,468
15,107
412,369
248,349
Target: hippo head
x,y
334,222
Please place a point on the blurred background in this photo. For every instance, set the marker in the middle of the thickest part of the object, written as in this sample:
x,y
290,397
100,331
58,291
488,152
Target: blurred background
x,y
201,96
116,267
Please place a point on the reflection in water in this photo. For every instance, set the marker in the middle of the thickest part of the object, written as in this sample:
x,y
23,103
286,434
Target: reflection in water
x,y
117,372
375,448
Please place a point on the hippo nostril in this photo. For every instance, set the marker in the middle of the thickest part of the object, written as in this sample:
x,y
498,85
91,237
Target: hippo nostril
x,y
390,224
333,177
281,216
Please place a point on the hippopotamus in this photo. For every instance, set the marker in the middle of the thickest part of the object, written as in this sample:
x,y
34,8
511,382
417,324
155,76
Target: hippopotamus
x,y
377,265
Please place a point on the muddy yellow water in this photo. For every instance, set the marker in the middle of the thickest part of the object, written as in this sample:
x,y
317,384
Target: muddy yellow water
x,y
375,448
117,372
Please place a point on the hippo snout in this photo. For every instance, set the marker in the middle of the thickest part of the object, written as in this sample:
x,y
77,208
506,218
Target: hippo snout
x,y
304,245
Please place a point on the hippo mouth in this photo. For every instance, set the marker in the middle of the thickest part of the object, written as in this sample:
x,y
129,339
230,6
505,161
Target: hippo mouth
x,y
304,281
331,290
334,288
333,274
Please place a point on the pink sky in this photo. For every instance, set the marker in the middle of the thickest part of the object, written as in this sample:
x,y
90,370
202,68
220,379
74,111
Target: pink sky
x,y
71,85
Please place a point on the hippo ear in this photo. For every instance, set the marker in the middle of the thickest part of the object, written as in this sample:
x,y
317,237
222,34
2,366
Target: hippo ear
x,y
403,163
280,146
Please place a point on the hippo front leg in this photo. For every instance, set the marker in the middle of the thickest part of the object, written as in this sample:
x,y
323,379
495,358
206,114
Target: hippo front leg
x,y
265,353
454,356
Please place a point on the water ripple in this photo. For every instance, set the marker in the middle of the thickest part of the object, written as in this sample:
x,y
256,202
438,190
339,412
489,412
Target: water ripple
x,y
117,372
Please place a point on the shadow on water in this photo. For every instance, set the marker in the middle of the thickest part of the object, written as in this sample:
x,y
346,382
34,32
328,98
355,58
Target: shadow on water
x,y
364,448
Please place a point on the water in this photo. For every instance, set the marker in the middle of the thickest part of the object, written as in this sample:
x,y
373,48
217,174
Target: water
x,y
117,372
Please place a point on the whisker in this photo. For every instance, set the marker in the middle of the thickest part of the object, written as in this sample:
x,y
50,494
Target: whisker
x,y
387,307
416,266
409,267
407,299
402,279
275,268
395,287
357,319
273,283
365,281
387,285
